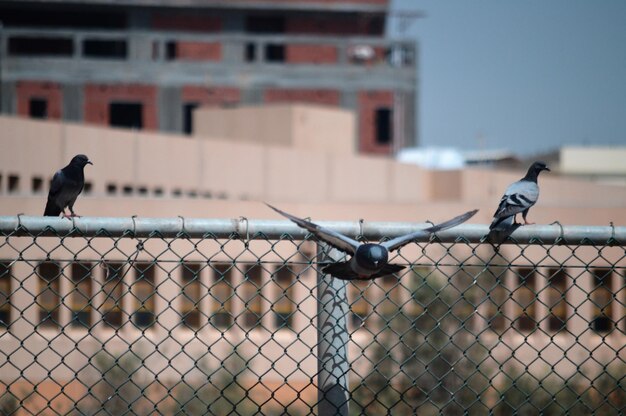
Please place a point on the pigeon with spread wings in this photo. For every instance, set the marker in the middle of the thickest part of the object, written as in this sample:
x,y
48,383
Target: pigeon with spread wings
x,y
369,260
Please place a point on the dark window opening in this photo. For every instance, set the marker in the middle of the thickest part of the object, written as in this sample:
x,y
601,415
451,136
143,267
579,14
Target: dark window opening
x,y
275,53
14,183
251,295
284,305
265,24
192,194
602,323
87,188
188,117
113,291
177,193
556,324
171,50
142,190
250,52
111,188
556,294
191,295
602,300
5,294
30,46
48,298
158,191
128,115
222,294
97,48
525,299
144,293
38,108
384,127
53,16
37,184
80,296
376,26
127,190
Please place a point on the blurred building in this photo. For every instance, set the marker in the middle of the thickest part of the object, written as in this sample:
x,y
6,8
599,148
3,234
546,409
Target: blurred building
x,y
148,64
222,295
604,164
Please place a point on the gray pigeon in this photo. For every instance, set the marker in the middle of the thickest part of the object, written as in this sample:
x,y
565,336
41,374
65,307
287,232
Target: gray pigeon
x,y
369,260
65,187
518,197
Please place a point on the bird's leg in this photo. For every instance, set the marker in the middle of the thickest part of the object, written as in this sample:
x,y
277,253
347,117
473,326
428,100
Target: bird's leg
x,y
524,217
65,215
73,213
515,219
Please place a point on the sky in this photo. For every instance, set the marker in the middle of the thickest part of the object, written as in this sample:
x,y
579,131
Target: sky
x,y
526,76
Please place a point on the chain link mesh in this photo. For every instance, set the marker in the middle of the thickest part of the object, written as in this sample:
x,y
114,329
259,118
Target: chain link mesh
x,y
110,325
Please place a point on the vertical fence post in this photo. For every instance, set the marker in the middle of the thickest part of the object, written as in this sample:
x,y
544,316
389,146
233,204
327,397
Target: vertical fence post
x,y
332,342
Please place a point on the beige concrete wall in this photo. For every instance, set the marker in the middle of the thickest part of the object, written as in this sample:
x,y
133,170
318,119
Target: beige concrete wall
x,y
308,127
222,175
244,124
216,168
324,129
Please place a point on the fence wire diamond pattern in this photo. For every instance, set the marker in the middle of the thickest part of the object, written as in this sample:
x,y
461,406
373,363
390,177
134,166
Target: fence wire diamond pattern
x,y
111,320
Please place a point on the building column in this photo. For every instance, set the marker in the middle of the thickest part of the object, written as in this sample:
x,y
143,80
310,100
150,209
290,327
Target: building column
x,y
25,286
8,101
65,293
98,296
619,309
170,109
73,102
542,311
579,311
167,288
267,315
237,305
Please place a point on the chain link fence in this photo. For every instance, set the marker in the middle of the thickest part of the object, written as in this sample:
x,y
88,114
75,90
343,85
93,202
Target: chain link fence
x,y
113,316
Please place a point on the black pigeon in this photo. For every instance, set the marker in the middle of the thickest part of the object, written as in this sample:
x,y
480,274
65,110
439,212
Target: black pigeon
x,y
369,260
518,197
65,187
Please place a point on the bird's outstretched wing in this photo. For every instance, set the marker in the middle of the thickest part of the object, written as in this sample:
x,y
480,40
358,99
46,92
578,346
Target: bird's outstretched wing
x,y
334,239
403,240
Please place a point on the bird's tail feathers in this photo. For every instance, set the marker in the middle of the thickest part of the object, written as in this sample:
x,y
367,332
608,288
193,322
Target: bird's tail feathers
x,y
499,234
387,270
52,209
340,270
451,223
501,223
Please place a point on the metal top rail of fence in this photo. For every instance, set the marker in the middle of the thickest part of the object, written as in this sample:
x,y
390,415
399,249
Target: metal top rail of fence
x,y
555,233
235,316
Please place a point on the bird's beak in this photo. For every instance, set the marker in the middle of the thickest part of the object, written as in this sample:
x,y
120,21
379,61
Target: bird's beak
x,y
547,168
89,162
